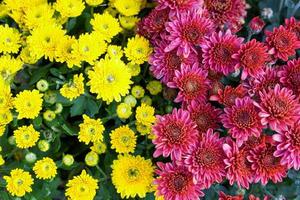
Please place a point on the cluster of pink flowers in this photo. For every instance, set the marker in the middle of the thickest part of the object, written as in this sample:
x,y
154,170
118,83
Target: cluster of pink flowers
x,y
246,132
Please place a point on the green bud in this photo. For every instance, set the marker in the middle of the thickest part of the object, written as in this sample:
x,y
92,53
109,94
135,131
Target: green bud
x,y
58,108
30,157
49,115
43,145
42,85
50,97
68,160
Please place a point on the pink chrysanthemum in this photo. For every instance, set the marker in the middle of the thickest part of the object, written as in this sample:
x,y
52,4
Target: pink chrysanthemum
x,y
266,166
175,134
153,26
288,146
282,42
237,166
290,76
242,120
279,108
226,13
192,83
223,196
176,183
178,5
206,160
204,115
256,24
218,50
293,25
164,64
187,30
252,57
228,96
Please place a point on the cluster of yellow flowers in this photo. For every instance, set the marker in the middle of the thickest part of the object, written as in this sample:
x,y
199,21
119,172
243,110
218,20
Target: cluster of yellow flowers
x,y
53,55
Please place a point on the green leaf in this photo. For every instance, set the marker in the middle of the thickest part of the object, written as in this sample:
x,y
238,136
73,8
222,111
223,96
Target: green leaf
x,y
68,129
78,106
4,195
37,122
92,107
71,24
38,74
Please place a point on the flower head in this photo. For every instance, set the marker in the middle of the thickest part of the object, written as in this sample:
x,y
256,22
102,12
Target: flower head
x,y
9,66
123,140
19,182
69,8
26,136
288,146
74,88
256,24
242,120
175,134
91,130
228,95
145,114
192,83
81,187
252,57
110,80
132,175
282,42
218,50
278,108
176,182
10,39
45,168
128,7
205,160
186,31
204,115
138,50
293,25
28,104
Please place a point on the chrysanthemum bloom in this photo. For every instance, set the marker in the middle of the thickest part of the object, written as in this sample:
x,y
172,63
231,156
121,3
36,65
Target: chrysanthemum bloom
x,y
138,50
288,146
164,64
192,83
282,42
293,25
153,25
252,57
228,96
187,30
69,8
19,182
28,104
204,115
123,140
132,176
218,50
9,66
205,160
226,14
74,88
223,196
176,182
256,24
81,187
145,114
242,120
45,168
26,136
110,80
128,7
175,134
10,39
178,4
266,166
290,75
91,130
279,108
238,168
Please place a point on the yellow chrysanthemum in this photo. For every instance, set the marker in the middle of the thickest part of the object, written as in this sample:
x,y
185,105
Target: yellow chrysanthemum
x,y
114,51
91,130
143,129
74,88
138,50
38,16
128,22
45,168
69,8
26,136
154,87
99,147
124,111
65,52
123,140
5,118
19,182
3,10
82,187
44,40
132,176
128,7
94,2
89,47
134,69
145,115
27,56
106,25
6,100
10,39
9,67
28,104
137,91
110,80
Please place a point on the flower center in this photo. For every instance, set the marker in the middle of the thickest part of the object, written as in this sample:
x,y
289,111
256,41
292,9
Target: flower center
x,y
278,107
206,157
133,173
173,61
251,59
174,132
222,54
179,182
110,78
192,33
244,118
20,182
